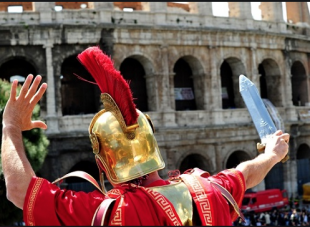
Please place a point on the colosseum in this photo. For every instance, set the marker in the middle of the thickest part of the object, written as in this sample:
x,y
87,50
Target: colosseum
x,y
184,65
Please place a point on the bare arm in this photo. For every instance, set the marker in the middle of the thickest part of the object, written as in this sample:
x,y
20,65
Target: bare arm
x,y
255,170
17,118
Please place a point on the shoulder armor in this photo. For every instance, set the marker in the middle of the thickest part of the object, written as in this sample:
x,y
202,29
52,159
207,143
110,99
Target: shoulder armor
x,y
179,195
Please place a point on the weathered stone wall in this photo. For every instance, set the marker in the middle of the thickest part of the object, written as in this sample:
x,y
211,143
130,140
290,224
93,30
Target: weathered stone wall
x,y
157,37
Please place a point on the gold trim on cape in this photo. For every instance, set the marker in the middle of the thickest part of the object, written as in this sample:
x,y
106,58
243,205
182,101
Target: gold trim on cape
x,y
31,202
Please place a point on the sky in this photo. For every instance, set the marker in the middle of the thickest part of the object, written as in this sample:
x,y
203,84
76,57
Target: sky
x,y
221,9
218,8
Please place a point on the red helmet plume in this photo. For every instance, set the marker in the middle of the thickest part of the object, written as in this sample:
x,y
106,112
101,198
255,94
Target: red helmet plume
x,y
110,81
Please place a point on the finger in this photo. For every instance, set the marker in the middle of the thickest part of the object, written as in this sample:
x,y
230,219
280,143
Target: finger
x,y
25,86
278,133
36,98
34,86
13,90
39,124
285,137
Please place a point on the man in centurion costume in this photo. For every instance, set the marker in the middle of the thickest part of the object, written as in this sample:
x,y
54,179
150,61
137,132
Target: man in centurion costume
x,y
126,151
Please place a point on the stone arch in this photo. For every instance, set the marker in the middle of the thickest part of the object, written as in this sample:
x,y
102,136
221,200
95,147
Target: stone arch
x,y
136,69
300,59
79,184
34,55
235,158
197,158
77,152
25,67
194,63
198,75
230,70
303,151
77,96
60,54
82,160
191,57
87,166
144,60
274,61
192,161
303,166
188,83
299,84
270,79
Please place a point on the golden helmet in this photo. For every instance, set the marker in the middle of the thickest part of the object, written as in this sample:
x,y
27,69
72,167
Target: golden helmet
x,y
122,137
126,153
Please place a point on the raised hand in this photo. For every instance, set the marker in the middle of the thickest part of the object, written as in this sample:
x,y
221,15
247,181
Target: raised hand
x,y
18,110
278,145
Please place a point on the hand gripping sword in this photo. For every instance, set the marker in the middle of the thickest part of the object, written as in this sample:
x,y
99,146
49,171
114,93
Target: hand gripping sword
x,y
257,109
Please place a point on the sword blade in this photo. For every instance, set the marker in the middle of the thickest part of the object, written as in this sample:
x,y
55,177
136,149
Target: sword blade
x,y
259,114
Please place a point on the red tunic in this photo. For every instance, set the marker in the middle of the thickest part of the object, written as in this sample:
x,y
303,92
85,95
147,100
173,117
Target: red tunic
x,y
212,207
47,204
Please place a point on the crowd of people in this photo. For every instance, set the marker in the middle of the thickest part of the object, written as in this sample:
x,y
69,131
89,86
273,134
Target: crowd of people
x,y
282,217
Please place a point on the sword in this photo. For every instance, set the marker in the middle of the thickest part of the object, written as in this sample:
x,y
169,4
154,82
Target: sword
x,y
257,109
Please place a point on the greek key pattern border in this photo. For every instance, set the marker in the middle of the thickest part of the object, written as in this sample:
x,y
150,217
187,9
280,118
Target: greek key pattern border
x,y
114,192
118,215
165,205
33,195
200,197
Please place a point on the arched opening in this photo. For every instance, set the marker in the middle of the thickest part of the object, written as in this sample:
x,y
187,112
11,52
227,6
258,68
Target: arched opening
x,y
79,184
230,71
9,70
262,82
77,96
299,84
274,178
236,158
303,166
133,72
228,96
184,92
194,160
270,82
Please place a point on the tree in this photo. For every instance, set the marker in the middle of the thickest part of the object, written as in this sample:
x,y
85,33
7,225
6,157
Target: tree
x,y
35,143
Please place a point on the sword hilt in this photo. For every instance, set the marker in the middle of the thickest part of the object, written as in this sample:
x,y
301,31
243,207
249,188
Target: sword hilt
x,y
261,148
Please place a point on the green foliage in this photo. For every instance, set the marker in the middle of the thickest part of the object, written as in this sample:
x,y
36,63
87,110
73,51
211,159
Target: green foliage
x,y
5,88
35,143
